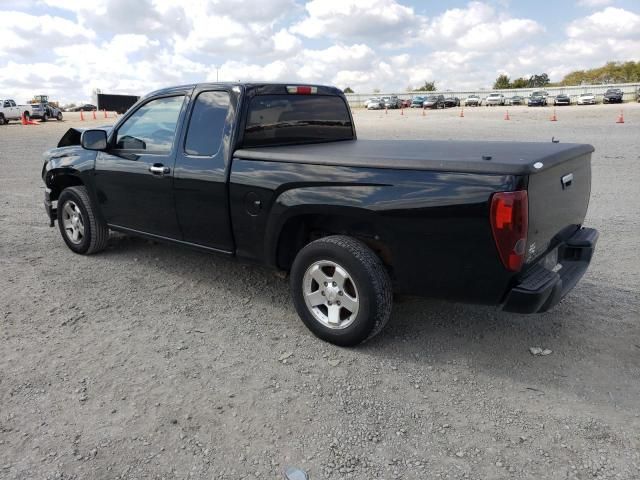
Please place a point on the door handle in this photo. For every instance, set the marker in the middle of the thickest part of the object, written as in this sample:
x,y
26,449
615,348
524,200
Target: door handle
x,y
159,169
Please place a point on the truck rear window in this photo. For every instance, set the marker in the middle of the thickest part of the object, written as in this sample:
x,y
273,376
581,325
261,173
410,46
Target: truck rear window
x,y
295,119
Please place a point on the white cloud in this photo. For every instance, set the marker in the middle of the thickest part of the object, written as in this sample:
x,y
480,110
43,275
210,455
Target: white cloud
x,y
594,3
134,47
356,19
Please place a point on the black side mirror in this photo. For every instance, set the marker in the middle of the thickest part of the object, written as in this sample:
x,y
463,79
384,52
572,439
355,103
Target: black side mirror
x,y
94,140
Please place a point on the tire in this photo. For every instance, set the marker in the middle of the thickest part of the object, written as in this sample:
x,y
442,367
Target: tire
x,y
45,117
59,116
3,121
93,233
357,284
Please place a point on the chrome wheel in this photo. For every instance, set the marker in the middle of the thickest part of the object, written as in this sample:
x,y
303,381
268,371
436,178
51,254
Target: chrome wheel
x,y
73,222
330,294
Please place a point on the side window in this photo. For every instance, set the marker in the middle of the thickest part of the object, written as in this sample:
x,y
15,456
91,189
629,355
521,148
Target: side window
x,y
6,104
152,127
12,103
207,124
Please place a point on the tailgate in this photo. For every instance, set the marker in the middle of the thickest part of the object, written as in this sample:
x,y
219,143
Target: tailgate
x,y
558,201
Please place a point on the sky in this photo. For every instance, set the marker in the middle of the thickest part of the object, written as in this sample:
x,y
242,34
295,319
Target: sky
x,y
69,48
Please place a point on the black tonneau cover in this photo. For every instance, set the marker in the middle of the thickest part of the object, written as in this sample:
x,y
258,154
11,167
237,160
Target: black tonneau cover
x,y
514,158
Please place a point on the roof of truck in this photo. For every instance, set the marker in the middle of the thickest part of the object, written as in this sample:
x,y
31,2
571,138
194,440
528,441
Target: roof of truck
x,y
261,87
510,158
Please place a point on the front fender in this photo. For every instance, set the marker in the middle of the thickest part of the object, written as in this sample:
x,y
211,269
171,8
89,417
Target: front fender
x,y
72,161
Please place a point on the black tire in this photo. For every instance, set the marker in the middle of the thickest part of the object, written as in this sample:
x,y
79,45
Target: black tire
x,y
3,121
96,232
370,279
45,117
59,116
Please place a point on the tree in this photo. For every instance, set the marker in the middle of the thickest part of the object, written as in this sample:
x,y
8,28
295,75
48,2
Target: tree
x,y
537,81
348,90
611,72
427,87
502,82
376,90
520,83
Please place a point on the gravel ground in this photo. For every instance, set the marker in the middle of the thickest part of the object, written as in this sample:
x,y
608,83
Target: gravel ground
x,y
151,361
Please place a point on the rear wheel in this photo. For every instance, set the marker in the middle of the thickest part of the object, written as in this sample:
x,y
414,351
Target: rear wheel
x,y
45,116
341,290
81,228
2,119
59,116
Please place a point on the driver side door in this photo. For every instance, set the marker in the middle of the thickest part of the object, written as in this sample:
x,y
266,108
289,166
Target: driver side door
x,y
134,176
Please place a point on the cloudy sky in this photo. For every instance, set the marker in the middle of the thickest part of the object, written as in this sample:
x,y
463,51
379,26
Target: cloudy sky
x,y
68,48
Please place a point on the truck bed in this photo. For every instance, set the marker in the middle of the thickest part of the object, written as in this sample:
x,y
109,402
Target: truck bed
x,y
510,158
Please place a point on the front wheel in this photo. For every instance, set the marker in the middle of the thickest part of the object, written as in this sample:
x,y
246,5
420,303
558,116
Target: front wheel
x,y
341,290
59,116
81,228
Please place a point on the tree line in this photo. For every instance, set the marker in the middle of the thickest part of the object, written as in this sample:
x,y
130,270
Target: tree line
x,y
611,72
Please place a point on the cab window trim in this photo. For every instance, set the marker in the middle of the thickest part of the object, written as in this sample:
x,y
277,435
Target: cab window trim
x,y
114,136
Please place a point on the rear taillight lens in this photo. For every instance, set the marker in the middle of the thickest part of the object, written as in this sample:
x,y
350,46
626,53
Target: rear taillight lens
x,y
302,90
509,224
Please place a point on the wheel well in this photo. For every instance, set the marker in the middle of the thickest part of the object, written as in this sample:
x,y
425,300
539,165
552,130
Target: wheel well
x,y
59,182
299,231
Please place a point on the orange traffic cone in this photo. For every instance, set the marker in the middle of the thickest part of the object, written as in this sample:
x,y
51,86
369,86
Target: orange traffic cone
x,y
94,114
386,110
23,119
620,118
553,117
105,112
462,112
506,115
402,110
424,112
81,116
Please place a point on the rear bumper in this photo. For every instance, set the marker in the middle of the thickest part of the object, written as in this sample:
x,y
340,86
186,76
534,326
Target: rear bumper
x,y
540,288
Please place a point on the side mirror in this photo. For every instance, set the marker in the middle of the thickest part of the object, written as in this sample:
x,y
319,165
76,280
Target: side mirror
x,y
94,140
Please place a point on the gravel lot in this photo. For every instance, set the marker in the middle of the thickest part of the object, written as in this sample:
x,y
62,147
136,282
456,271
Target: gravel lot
x,y
150,361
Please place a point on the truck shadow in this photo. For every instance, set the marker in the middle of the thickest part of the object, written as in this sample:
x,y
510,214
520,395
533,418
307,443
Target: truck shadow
x,y
593,333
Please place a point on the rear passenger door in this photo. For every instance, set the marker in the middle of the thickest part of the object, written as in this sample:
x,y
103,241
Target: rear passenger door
x,y
200,175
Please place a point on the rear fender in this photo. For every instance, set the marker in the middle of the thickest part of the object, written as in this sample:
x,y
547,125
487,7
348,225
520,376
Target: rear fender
x,y
326,210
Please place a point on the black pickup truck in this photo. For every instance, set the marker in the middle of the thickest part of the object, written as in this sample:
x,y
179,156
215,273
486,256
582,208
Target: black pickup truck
x,y
274,174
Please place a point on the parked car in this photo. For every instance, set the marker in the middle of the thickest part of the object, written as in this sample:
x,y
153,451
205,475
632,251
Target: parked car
x,y
406,103
416,102
451,102
537,101
586,99
472,101
274,174
391,102
562,99
494,99
541,93
433,101
515,100
10,110
87,107
613,95
374,104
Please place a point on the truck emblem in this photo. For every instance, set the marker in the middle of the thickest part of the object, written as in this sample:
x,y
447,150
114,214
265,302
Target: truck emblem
x,y
567,180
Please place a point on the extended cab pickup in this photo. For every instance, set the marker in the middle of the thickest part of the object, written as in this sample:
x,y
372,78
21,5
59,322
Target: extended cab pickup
x,y
9,110
274,174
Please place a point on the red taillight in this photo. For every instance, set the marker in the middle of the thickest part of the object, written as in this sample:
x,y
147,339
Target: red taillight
x,y
302,90
510,223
